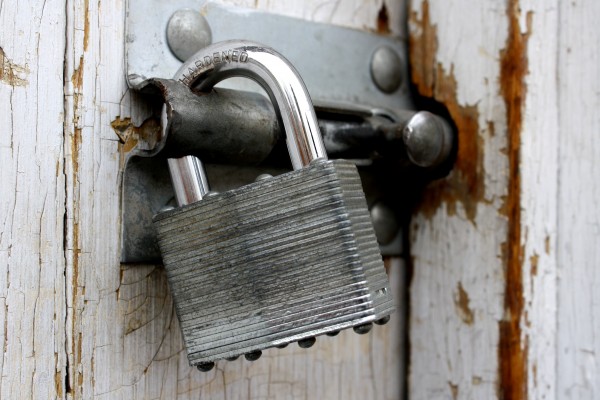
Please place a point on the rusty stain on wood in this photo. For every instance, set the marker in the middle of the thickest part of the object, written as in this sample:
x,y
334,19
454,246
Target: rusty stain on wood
x,y
383,20
547,245
453,390
512,349
77,76
533,261
86,25
75,142
491,128
11,73
461,301
58,378
465,183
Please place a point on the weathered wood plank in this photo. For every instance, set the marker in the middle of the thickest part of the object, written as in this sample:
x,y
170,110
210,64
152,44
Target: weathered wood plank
x,y
539,165
459,235
577,247
525,237
32,200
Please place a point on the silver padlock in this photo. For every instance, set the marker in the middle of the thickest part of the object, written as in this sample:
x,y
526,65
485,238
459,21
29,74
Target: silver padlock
x,y
281,260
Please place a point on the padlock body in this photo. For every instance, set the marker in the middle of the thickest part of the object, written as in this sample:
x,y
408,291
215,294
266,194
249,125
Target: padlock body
x,y
273,262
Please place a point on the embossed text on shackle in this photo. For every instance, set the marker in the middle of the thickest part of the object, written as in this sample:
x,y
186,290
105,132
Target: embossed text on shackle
x,y
215,59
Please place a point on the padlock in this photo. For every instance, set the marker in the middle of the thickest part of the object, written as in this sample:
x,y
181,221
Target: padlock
x,y
281,260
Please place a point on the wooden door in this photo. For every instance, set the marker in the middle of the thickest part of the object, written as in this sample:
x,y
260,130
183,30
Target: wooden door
x,y
504,252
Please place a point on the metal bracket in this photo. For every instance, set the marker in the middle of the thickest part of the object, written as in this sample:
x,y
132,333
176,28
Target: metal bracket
x,y
338,65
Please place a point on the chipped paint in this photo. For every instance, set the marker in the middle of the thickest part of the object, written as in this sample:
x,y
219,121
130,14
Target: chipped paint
x,y
453,390
11,73
533,262
512,348
461,301
129,135
86,25
465,184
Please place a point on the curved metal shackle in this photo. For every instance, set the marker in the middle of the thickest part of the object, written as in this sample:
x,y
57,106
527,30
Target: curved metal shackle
x,y
278,78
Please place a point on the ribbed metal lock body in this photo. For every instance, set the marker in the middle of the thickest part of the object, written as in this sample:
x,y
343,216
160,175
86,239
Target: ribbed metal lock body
x,y
277,261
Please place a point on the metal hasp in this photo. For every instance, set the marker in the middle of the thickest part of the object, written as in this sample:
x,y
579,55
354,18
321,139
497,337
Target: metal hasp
x,y
363,107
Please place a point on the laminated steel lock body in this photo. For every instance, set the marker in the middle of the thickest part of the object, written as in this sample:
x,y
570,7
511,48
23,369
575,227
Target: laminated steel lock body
x,y
281,260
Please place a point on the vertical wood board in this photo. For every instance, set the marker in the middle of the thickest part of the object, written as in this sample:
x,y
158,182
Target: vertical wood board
x,y
32,200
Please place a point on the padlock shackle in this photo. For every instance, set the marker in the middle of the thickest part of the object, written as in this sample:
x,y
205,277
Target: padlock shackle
x,y
279,79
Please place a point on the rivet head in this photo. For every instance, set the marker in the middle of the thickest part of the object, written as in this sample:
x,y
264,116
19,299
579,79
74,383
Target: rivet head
x,y
306,343
187,32
205,367
384,223
386,69
253,355
263,177
362,329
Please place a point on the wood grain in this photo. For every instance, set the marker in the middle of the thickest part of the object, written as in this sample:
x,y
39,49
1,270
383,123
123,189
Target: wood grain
x,y
576,244
32,200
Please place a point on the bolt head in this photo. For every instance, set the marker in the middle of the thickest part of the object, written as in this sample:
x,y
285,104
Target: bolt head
x,y
187,32
427,139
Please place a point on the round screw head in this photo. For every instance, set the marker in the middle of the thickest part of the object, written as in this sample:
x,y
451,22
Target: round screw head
x,y
187,32
306,343
334,333
253,355
232,358
362,329
386,69
205,367
383,321
384,222
282,346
